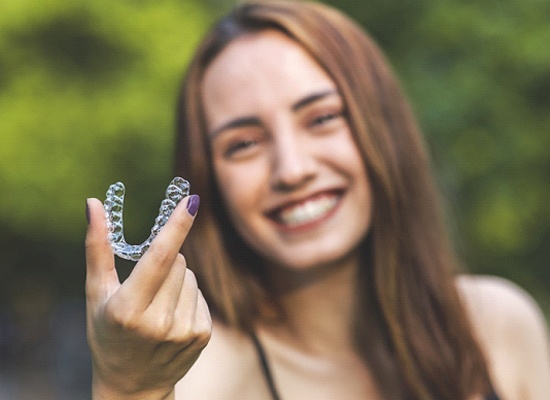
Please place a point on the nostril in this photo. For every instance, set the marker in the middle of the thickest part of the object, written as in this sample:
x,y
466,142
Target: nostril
x,y
291,176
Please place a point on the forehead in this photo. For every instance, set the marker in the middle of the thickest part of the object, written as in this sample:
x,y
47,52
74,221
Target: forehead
x,y
266,67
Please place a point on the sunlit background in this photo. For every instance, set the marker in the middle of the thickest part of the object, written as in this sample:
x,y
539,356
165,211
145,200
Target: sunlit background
x,y
87,97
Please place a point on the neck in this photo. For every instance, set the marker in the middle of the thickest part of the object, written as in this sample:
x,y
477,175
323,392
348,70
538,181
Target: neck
x,y
318,307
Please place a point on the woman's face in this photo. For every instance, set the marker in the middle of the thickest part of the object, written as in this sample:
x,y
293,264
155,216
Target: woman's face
x,y
291,176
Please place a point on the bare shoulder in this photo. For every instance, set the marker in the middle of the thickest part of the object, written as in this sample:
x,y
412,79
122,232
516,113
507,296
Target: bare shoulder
x,y
223,368
498,306
498,299
513,334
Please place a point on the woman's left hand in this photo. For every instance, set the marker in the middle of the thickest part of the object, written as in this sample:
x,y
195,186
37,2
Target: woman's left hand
x,y
145,333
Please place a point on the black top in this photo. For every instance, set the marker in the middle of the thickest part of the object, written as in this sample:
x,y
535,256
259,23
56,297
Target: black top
x,y
271,382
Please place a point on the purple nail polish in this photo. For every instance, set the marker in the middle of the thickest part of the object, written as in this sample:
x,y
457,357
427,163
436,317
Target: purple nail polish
x,y
193,204
87,212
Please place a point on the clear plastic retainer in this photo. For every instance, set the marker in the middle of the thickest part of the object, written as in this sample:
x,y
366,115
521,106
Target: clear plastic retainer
x,y
114,204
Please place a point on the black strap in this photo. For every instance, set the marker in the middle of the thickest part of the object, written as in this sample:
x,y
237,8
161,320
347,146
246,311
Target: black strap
x,y
265,368
271,382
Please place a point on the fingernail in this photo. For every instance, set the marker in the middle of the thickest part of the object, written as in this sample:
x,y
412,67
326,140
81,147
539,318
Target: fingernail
x,y
193,204
87,212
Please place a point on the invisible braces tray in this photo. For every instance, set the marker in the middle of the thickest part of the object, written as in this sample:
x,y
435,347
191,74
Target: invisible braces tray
x,y
114,205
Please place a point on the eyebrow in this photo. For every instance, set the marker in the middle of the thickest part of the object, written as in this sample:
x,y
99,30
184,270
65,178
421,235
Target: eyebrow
x,y
312,99
254,121
235,123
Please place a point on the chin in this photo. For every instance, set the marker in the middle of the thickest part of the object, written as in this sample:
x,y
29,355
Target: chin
x,y
312,261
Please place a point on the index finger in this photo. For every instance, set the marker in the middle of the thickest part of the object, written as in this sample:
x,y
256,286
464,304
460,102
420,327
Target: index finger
x,y
153,268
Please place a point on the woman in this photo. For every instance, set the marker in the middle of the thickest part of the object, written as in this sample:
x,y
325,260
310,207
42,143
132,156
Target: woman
x,y
319,247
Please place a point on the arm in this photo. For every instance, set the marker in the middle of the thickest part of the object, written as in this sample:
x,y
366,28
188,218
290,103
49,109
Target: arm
x,y
145,333
513,335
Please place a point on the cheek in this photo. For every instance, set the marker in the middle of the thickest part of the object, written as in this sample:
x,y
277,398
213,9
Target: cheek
x,y
350,160
240,187
345,155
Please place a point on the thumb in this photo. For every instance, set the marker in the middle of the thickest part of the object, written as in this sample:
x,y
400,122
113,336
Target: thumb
x,y
101,275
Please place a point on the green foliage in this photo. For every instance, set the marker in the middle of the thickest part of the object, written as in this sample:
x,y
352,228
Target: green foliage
x,y
87,94
478,76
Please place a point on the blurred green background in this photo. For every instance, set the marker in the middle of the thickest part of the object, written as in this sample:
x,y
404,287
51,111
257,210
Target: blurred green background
x,y
87,97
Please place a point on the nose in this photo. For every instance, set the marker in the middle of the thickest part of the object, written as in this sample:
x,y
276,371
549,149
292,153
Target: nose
x,y
293,164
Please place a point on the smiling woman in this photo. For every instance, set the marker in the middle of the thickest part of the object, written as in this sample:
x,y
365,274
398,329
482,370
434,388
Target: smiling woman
x,y
280,127
320,246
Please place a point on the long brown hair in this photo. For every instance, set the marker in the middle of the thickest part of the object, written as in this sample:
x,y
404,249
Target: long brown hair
x,y
410,329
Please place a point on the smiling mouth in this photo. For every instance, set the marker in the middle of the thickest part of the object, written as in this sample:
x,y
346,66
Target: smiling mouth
x,y
307,212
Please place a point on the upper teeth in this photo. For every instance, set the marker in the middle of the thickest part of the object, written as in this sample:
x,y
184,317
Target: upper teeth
x,y
308,211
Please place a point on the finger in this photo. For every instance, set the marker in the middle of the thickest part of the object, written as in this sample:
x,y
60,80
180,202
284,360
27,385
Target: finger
x,y
203,317
101,275
153,268
192,317
188,298
165,302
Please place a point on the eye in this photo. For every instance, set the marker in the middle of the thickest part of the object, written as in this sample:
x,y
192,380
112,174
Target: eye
x,y
243,148
239,142
324,118
240,145
327,119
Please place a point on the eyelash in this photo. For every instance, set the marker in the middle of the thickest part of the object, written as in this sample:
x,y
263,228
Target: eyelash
x,y
239,146
325,118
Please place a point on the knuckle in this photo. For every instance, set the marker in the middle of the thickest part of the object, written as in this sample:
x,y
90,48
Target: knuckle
x,y
193,338
123,318
162,253
90,242
202,328
162,325
202,337
157,328
203,309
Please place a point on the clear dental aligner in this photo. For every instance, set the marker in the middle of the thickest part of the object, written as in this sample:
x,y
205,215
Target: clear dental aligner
x,y
114,204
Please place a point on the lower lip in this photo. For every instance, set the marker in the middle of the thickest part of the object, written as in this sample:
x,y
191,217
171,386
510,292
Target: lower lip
x,y
311,225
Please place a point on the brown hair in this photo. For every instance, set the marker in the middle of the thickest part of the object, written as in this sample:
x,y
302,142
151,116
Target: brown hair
x,y
410,327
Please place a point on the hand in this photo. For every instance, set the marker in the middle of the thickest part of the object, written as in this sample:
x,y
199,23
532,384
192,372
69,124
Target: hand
x,y
145,333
